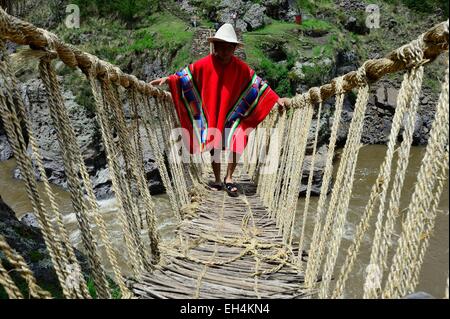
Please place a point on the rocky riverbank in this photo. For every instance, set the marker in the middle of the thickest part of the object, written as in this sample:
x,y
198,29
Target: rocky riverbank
x,y
27,241
88,138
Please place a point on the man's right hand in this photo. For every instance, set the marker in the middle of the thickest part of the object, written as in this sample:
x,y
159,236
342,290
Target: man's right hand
x,y
160,81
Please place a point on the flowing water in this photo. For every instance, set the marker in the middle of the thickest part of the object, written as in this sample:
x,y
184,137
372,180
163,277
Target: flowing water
x,y
435,269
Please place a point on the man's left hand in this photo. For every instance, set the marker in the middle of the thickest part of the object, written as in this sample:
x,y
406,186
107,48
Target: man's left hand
x,y
283,102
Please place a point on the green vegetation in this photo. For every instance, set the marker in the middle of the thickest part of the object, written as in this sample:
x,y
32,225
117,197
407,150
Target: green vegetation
x,y
54,290
424,6
276,73
314,24
115,290
128,11
289,38
169,31
313,7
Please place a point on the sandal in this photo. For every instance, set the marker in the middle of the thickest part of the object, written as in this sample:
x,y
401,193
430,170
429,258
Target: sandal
x,y
215,186
229,187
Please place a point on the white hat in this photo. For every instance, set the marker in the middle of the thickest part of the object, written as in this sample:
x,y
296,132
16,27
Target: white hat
x,y
225,33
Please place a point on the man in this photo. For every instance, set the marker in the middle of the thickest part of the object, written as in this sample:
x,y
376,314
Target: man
x,y
219,99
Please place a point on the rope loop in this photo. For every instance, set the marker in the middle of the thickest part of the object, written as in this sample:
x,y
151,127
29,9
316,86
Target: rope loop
x,y
412,54
49,56
361,75
314,95
339,85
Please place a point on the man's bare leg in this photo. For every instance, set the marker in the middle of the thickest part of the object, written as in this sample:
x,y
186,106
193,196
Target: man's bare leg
x,y
215,163
233,160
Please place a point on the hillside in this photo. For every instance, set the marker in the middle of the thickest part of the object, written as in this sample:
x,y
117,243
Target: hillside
x,y
153,38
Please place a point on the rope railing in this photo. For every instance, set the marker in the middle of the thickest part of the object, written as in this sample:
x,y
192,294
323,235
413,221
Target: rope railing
x,y
331,213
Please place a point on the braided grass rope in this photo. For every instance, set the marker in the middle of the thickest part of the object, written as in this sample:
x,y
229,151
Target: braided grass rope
x,y
434,42
378,187
264,172
12,120
159,155
267,174
70,258
164,115
297,173
418,260
74,165
412,228
133,173
8,284
272,182
309,186
20,266
263,167
286,166
342,189
111,155
311,269
379,249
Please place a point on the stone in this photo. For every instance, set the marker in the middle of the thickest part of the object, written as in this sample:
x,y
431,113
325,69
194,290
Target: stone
x,y
356,26
254,17
419,295
380,96
186,6
392,95
28,242
280,9
30,219
6,151
319,168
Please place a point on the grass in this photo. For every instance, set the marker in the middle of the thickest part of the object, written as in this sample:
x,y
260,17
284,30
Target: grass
x,y
275,73
315,24
170,32
290,38
114,289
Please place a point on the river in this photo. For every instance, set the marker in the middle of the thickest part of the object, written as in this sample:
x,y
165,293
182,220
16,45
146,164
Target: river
x,y
435,269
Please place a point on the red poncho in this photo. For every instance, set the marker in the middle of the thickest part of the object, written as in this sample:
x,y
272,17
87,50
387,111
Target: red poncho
x,y
218,105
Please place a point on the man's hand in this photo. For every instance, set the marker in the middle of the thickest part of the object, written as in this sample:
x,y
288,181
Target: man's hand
x,y
160,81
282,103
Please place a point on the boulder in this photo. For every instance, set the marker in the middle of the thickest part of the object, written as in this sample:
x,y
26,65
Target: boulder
x,y
281,9
6,151
356,26
319,168
30,219
243,15
419,295
346,61
28,242
254,17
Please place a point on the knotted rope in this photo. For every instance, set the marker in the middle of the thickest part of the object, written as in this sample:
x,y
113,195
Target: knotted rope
x,y
19,265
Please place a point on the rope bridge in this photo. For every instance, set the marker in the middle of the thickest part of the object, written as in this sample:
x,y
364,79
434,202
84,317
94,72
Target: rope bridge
x,y
226,247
